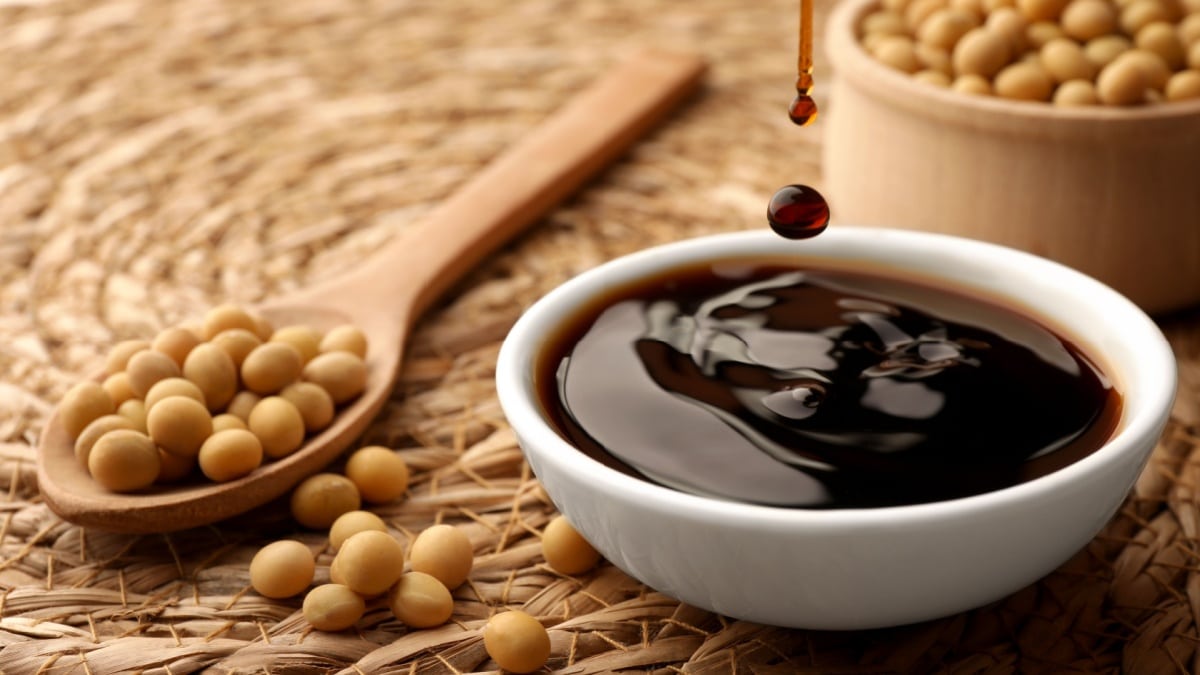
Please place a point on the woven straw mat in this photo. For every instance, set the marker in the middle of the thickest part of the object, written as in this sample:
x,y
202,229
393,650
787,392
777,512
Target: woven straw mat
x,y
158,158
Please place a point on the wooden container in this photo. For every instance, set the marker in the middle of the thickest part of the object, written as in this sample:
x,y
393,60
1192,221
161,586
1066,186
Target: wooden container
x,y
1112,192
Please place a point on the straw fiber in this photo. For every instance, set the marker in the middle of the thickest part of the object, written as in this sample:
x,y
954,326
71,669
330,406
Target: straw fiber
x,y
157,158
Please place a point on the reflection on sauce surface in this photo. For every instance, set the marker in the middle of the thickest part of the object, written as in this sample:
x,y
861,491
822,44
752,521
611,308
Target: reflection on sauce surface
x,y
820,388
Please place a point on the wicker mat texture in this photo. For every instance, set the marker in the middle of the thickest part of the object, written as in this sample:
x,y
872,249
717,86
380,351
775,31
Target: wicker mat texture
x,y
158,158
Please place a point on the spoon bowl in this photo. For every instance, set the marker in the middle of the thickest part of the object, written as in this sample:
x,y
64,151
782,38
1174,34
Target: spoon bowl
x,y
72,493
388,292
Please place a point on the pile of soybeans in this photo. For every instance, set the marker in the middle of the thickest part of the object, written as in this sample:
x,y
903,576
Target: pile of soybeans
x,y
1069,52
222,396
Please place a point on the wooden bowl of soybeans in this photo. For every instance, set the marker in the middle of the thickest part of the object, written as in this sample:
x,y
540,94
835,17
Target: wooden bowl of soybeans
x,y
1067,128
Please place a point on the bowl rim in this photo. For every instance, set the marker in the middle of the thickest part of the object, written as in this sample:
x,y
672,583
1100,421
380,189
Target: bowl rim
x,y
1142,419
852,62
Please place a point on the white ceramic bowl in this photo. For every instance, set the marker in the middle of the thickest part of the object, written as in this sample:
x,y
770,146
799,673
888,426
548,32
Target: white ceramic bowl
x,y
855,568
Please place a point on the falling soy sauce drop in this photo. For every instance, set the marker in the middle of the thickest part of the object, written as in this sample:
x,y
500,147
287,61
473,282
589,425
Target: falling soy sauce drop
x,y
803,109
798,212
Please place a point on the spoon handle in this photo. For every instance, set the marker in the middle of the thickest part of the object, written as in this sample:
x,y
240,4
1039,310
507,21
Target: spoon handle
x,y
522,184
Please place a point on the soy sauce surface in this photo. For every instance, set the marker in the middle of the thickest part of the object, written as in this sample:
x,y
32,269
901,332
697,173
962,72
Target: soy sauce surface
x,y
810,388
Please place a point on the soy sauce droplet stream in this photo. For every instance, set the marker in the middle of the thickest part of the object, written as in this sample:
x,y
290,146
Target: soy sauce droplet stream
x,y
798,212
803,109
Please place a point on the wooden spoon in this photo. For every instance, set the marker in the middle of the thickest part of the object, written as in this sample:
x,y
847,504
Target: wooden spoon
x,y
386,294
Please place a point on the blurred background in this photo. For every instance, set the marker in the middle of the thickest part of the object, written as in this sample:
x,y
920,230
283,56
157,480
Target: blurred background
x,y
158,158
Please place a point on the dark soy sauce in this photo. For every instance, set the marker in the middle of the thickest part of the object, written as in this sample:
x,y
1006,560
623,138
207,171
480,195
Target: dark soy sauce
x,y
759,383
798,212
803,109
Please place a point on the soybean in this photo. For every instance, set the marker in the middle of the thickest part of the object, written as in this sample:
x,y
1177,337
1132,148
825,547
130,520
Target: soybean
x,y
227,317
335,572
345,338
83,404
1183,85
370,562
124,460
175,342
972,84
1076,93
146,368
884,22
172,386
237,342
1008,23
270,367
117,386
93,431
342,374
445,553
1025,81
934,77
173,467
225,421
242,403
1162,39
1085,20
981,52
313,402
420,601
973,7
917,11
944,27
351,523
935,59
262,326
1039,33
898,52
278,425
304,339
1106,48
516,641
1189,28
135,411
333,607
1041,10
179,425
1142,13
380,474
1152,66
211,368
119,355
282,569
1122,82
230,454
565,549
318,500
1064,60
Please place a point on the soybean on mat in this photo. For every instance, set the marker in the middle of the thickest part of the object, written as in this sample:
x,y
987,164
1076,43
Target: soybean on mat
x,y
160,157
